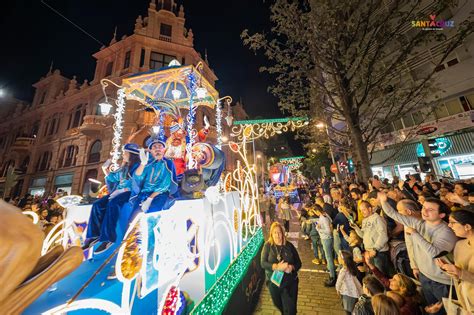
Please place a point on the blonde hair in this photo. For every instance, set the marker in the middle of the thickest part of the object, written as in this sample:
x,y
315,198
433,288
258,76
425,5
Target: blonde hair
x,y
276,225
383,305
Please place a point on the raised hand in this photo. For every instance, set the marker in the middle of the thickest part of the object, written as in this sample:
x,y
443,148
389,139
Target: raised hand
x,y
143,157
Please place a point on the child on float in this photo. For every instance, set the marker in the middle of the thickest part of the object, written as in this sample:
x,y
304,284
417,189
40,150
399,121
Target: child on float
x,y
105,211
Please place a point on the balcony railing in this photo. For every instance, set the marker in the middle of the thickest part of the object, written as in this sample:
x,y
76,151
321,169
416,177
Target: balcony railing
x,y
23,144
93,124
165,38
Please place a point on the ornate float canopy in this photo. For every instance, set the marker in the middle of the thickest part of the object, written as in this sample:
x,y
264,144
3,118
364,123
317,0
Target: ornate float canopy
x,y
174,84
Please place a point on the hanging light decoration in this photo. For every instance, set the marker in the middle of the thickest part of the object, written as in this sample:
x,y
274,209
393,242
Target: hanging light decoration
x,y
176,94
229,119
105,108
201,92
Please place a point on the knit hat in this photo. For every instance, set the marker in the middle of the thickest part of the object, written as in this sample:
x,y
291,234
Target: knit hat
x,y
132,148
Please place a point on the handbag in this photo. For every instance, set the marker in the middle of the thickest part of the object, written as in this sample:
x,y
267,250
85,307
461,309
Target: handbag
x,y
453,307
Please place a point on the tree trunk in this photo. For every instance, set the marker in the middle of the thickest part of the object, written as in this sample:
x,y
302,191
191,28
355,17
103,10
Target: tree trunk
x,y
364,172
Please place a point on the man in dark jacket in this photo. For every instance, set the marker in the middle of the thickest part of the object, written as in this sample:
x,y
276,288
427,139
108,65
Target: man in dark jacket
x,y
370,286
328,208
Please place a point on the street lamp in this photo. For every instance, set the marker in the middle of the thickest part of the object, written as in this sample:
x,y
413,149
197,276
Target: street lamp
x,y
105,108
320,126
314,150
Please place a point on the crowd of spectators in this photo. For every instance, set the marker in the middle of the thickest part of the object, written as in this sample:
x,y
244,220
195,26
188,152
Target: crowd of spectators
x,y
391,247
49,211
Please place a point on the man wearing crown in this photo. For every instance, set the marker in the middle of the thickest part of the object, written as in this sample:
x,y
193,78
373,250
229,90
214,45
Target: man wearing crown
x,y
176,144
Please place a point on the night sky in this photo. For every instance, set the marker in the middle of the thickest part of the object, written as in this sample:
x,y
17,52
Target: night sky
x,y
33,36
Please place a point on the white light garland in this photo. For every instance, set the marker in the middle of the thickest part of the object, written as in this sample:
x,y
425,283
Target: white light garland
x,y
219,125
118,128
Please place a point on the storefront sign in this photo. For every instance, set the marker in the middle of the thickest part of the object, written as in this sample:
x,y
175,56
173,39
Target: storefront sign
x,y
426,130
334,168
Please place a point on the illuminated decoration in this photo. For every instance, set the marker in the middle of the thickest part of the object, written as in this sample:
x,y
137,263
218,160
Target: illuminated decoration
x,y
105,108
118,128
293,163
174,63
254,129
33,215
228,100
173,303
68,201
176,94
216,299
201,92
292,159
190,121
229,119
130,256
200,246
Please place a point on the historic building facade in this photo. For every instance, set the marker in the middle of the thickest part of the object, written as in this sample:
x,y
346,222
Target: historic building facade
x,y
60,139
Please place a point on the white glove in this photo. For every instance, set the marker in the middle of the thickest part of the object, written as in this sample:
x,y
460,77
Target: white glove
x,y
116,192
146,204
105,166
143,157
206,122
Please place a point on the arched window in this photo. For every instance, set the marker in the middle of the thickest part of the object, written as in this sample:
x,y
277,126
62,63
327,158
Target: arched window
x,y
94,153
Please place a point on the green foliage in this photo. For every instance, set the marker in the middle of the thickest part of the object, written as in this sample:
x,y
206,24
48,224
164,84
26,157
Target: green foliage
x,y
312,164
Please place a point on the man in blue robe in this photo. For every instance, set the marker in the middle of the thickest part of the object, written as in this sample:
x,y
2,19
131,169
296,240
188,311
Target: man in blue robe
x,y
156,176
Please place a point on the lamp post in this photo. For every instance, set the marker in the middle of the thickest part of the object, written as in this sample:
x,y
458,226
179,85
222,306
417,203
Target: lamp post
x,y
320,126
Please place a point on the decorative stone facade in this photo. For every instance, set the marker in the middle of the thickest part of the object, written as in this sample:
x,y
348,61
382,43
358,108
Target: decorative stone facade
x,y
60,139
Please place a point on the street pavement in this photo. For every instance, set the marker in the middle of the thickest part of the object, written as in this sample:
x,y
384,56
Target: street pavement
x,y
313,297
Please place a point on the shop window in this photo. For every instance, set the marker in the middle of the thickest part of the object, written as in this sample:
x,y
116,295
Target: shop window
x,y
441,111
165,29
94,154
465,103
454,107
158,60
126,61
108,68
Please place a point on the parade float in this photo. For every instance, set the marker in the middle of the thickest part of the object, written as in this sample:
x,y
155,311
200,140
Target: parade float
x,y
286,178
198,257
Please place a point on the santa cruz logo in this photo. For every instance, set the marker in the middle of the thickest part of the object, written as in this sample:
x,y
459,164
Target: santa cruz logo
x,y
433,24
